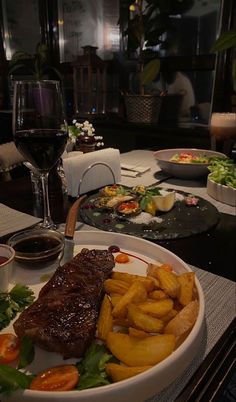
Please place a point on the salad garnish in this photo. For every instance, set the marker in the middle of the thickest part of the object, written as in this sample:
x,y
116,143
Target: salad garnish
x,y
13,302
223,172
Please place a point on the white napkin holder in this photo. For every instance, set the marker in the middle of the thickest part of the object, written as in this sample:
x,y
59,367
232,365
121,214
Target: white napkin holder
x,y
90,171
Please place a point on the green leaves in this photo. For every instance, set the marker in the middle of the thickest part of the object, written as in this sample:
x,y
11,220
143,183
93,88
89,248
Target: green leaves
x,y
26,352
36,64
92,367
12,379
225,41
150,72
223,172
13,302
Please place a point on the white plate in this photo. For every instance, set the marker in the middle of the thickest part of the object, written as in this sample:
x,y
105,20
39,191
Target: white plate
x,y
141,386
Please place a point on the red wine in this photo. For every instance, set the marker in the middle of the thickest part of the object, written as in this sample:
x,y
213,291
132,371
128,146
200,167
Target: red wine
x,y
41,147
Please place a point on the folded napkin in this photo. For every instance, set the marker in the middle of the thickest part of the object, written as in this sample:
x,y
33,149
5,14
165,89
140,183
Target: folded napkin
x,y
9,156
77,175
12,221
133,170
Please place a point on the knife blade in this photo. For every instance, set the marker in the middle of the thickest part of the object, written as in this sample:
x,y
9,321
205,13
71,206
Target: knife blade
x,y
70,230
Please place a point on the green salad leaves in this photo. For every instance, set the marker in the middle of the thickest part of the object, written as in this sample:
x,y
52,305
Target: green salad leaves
x,y
12,379
92,367
13,302
223,172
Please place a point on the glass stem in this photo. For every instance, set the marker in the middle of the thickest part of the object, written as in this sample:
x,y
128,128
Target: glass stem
x,y
47,220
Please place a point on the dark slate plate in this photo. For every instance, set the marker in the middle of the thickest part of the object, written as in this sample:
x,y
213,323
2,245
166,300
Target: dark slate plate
x,y
181,221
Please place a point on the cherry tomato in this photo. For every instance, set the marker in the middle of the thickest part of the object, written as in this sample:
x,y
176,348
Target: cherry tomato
x,y
122,258
59,378
9,348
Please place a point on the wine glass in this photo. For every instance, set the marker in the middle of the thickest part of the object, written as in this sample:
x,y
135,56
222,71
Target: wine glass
x,y
40,130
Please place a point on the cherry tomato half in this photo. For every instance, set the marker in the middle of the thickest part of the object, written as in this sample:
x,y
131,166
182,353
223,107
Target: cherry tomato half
x,y
59,378
9,348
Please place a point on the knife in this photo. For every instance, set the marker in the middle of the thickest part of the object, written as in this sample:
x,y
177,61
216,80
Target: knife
x,y
70,230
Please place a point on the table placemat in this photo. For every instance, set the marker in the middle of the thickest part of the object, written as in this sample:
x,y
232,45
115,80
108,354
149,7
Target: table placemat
x,y
146,158
12,221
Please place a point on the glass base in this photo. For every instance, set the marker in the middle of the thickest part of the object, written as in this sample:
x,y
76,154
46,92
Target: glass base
x,y
48,224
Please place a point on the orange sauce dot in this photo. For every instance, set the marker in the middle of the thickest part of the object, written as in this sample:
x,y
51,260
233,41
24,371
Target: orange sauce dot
x,y
122,258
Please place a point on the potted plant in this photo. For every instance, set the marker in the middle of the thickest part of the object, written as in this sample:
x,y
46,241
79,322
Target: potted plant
x,y
36,65
227,40
142,24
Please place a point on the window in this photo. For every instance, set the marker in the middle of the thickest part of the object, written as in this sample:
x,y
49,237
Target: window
x,y
86,22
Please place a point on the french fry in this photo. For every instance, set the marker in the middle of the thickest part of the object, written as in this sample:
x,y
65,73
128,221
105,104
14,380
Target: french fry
x,y
143,321
114,298
158,295
152,270
115,286
168,280
121,322
140,352
172,313
183,322
105,319
118,372
167,267
149,283
124,276
138,333
157,308
187,281
136,293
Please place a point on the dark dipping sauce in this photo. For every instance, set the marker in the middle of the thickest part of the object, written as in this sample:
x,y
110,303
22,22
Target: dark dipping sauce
x,y
3,260
37,244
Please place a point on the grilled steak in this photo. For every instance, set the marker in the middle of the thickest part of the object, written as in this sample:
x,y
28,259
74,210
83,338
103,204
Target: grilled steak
x,y
63,318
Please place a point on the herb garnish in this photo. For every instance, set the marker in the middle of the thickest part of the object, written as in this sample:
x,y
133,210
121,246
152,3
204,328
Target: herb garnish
x,y
11,379
13,302
92,367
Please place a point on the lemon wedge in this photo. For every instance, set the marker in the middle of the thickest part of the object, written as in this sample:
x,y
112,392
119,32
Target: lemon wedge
x,y
164,203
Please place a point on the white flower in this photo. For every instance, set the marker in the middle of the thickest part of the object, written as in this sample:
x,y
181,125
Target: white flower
x,y
84,128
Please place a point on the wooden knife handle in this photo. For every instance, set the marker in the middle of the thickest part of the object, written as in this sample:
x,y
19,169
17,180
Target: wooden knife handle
x,y
72,217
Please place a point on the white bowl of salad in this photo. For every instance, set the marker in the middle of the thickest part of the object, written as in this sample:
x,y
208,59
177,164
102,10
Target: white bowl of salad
x,y
186,163
221,182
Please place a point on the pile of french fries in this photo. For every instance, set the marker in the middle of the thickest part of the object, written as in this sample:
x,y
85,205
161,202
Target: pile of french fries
x,y
143,320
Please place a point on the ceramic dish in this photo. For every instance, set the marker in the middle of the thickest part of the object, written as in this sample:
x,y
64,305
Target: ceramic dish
x,y
37,245
184,170
141,386
221,193
181,221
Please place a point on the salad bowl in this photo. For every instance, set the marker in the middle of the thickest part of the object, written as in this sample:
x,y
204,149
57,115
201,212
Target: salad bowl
x,y
221,182
186,163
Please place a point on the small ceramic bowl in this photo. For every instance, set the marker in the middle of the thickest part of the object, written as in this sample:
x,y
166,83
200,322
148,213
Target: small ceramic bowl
x,y
221,193
7,255
37,245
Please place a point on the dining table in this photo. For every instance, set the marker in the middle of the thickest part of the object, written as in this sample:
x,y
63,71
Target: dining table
x,y
210,253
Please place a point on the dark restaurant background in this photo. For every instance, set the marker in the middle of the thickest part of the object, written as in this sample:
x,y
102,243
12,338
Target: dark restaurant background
x,y
67,26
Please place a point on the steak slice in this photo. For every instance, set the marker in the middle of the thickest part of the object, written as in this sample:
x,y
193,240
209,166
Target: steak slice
x,y
63,318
